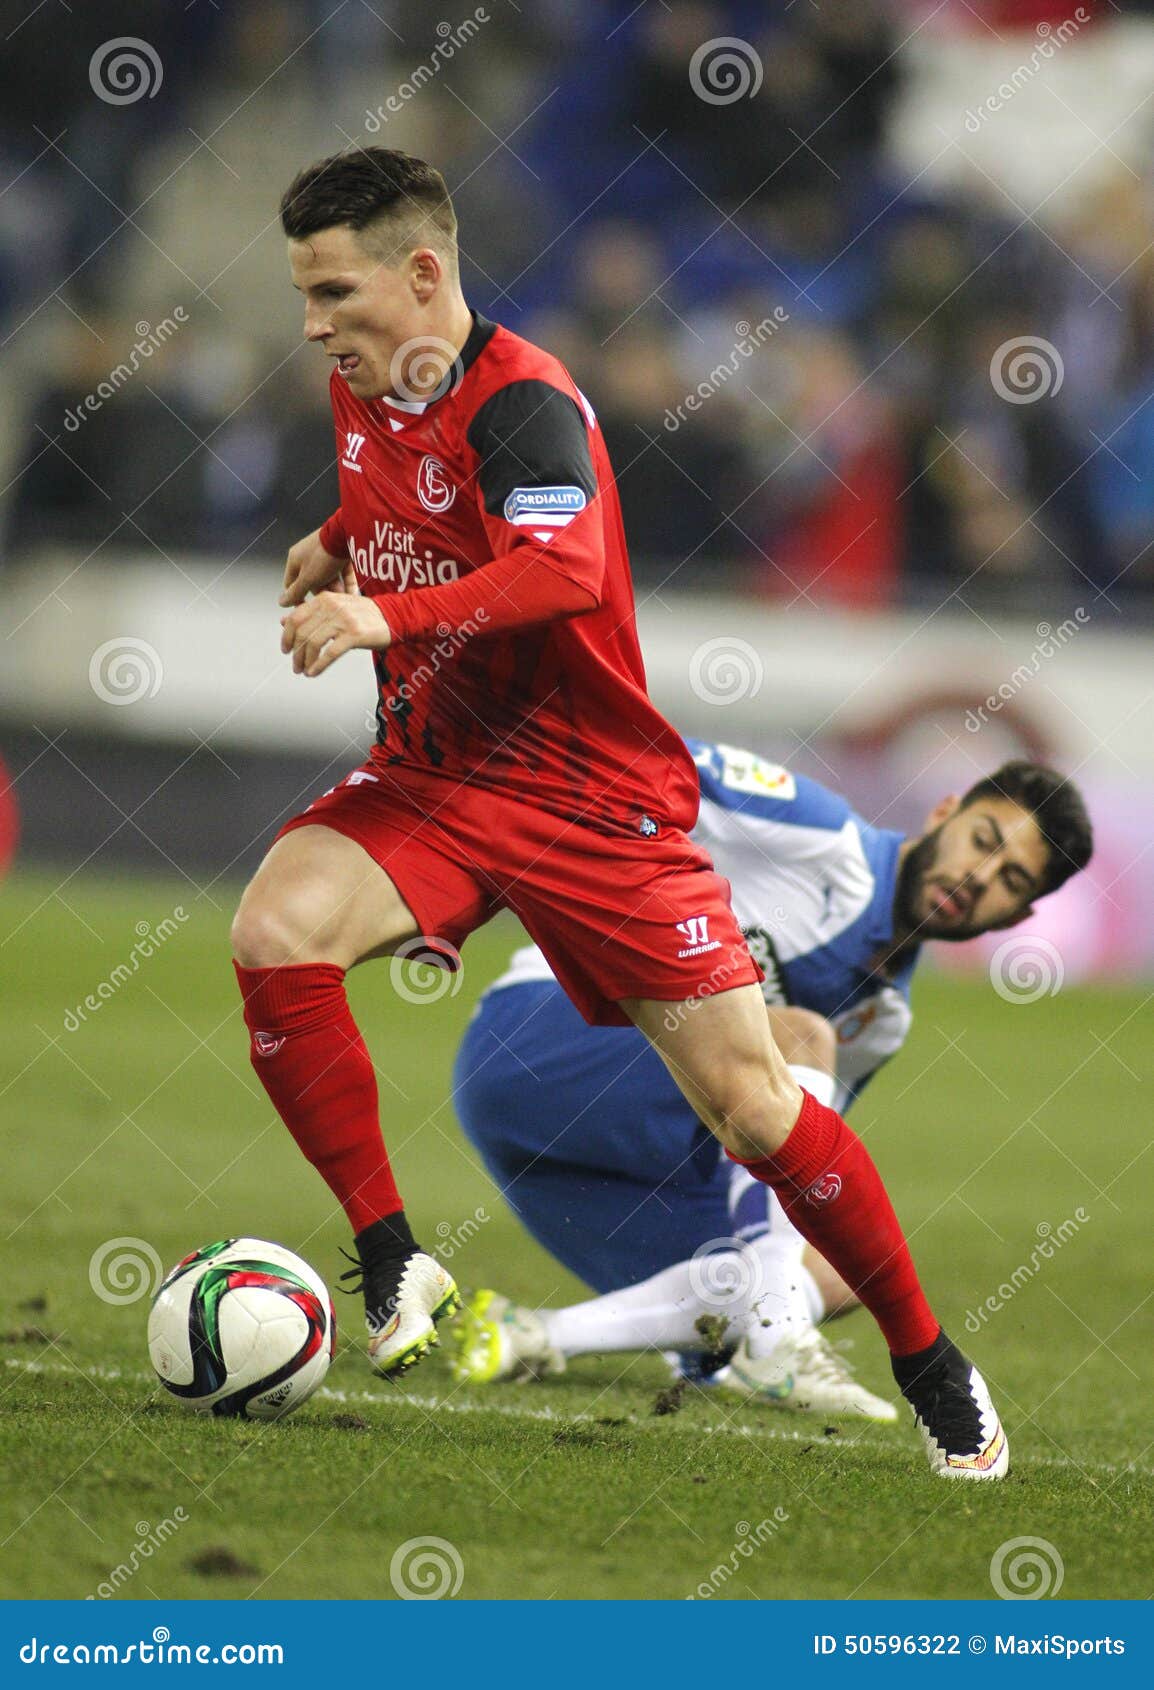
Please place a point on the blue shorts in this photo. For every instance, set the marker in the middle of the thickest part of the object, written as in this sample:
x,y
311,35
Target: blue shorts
x,y
588,1137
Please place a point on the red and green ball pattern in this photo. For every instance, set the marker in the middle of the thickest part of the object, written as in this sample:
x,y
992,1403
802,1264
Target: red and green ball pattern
x,y
209,1370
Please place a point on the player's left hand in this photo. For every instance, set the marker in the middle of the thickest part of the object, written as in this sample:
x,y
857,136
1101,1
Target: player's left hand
x,y
324,628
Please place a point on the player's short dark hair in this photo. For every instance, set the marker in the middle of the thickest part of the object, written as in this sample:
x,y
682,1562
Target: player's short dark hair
x,y
1056,805
389,195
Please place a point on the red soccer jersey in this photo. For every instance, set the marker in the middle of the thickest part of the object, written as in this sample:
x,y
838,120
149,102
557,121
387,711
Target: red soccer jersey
x,y
505,472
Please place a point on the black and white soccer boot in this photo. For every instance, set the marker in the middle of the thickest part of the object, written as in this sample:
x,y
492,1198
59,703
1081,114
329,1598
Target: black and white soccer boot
x,y
952,1409
406,1293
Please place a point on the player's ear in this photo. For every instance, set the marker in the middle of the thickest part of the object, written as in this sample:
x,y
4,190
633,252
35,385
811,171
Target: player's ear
x,y
425,271
942,811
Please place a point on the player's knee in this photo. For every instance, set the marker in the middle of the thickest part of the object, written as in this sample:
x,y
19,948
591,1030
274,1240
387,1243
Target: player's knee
x,y
752,1109
260,939
267,932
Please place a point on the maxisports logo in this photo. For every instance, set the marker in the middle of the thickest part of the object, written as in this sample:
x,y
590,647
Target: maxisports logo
x,y
695,932
354,446
544,507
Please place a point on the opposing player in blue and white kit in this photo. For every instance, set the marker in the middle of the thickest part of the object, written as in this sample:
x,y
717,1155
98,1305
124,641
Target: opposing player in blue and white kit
x,y
597,1151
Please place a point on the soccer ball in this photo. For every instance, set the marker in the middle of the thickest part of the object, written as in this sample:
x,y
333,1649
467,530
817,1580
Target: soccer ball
x,y
242,1327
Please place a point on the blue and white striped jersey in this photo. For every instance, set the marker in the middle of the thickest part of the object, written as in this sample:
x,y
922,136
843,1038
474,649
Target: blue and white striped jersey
x,y
813,889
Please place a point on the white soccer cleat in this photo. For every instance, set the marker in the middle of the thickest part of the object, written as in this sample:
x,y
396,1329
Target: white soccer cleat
x,y
495,1339
805,1374
960,1428
422,1294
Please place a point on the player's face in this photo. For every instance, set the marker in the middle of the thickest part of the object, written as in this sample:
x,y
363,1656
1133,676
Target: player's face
x,y
358,309
976,869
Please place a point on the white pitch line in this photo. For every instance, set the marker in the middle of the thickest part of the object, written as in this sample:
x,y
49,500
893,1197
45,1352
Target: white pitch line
x,y
515,1411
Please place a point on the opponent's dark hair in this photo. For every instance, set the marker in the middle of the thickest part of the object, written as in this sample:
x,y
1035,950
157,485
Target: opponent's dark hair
x,y
1056,805
366,187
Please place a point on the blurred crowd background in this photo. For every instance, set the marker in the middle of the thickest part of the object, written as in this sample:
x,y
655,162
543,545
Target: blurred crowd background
x,y
861,290
862,186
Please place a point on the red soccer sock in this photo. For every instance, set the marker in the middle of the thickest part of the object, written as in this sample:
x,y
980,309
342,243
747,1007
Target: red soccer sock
x,y
833,1194
311,1059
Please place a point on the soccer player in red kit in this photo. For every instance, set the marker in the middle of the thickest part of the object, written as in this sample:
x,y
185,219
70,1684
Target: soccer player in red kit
x,y
478,553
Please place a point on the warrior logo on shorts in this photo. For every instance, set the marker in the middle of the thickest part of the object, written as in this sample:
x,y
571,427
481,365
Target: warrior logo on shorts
x,y
434,489
266,1044
827,1189
695,931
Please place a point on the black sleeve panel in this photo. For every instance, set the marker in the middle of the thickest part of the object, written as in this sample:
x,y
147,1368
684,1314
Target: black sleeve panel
x,y
530,434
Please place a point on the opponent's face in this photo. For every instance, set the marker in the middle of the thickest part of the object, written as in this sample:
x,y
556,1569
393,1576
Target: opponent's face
x,y
359,309
975,869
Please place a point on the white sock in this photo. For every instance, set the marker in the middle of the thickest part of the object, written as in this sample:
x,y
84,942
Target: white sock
x,y
814,1298
781,1308
662,1313
822,1085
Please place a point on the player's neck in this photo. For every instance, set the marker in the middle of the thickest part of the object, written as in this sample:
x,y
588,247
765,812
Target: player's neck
x,y
435,352
453,327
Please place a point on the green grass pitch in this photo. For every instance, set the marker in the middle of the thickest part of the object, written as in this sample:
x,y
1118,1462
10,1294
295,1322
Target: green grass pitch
x,y
143,1120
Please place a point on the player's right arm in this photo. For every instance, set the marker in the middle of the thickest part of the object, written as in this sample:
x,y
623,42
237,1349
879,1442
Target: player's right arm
x,y
312,568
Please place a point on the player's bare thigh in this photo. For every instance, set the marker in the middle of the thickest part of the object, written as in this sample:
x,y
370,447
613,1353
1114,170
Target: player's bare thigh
x,y
721,1053
319,897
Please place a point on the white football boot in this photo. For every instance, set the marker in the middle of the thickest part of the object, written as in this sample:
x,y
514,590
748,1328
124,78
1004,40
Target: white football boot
x,y
963,1436
496,1339
407,1311
805,1374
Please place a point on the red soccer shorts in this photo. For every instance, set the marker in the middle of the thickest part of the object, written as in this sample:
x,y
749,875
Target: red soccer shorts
x,y
619,914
